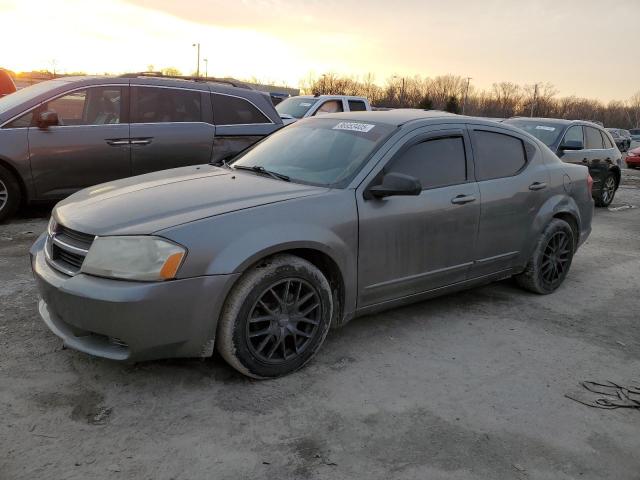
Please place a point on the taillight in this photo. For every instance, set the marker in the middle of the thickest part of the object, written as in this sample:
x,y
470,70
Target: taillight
x,y
589,183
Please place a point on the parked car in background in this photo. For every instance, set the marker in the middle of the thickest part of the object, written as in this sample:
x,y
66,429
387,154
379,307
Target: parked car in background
x,y
621,137
633,158
63,135
325,220
303,106
582,143
635,134
6,83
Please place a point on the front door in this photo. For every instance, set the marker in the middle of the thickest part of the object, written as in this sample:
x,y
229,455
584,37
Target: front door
x,y
170,127
89,146
513,181
412,244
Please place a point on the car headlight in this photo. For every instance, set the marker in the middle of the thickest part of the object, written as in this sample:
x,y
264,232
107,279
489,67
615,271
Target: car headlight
x,y
139,258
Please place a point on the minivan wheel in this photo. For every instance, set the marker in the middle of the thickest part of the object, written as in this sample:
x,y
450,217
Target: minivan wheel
x,y
607,191
550,262
276,318
9,194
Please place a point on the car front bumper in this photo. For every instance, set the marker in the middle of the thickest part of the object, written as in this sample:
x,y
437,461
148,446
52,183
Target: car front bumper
x,y
635,161
132,321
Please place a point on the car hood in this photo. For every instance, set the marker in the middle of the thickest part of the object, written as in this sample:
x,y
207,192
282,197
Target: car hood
x,y
152,202
634,152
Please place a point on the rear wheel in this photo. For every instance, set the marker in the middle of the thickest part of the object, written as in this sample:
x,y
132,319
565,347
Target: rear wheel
x,y
550,262
607,191
276,318
9,194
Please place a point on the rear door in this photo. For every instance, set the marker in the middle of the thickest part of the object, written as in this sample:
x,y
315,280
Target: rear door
x,y
89,146
170,127
513,182
413,244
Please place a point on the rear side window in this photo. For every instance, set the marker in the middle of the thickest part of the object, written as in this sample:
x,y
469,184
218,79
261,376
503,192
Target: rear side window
x,y
357,106
436,163
497,155
593,138
605,140
165,105
229,110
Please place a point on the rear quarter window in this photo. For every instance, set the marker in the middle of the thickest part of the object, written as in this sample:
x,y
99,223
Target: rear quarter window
x,y
229,110
497,155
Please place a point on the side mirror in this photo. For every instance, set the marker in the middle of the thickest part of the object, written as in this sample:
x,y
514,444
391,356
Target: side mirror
x,y
571,145
48,119
395,184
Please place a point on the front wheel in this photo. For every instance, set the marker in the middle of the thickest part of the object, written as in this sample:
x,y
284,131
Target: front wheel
x,y
276,318
550,262
607,191
9,194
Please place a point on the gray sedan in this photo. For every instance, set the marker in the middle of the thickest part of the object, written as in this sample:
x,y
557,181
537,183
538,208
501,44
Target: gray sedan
x,y
328,219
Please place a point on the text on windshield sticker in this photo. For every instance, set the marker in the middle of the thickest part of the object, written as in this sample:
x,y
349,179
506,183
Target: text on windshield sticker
x,y
354,127
543,127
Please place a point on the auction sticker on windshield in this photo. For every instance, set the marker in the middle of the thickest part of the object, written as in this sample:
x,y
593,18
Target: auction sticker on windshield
x,y
354,127
544,127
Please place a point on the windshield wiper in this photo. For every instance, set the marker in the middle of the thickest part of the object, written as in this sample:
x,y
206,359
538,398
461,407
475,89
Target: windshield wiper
x,y
259,169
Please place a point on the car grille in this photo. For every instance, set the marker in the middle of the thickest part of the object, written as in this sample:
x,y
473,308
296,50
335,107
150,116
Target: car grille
x,y
67,249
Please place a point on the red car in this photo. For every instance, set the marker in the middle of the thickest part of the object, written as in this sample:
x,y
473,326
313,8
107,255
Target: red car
x,y
6,83
633,158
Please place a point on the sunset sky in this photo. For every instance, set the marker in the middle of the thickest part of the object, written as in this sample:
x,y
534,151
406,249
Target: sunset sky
x,y
584,47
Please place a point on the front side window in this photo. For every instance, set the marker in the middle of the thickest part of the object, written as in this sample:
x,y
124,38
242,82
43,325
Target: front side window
x,y
165,105
574,136
229,110
436,163
593,138
93,106
497,155
330,106
357,106
318,151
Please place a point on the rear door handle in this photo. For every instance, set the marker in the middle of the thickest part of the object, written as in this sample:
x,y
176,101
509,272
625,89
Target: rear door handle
x,y
114,142
141,141
462,199
537,186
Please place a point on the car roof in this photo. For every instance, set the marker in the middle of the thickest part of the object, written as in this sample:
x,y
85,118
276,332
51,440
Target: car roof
x,y
396,117
558,121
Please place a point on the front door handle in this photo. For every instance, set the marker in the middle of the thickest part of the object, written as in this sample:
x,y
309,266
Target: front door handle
x,y
462,199
141,141
114,142
537,186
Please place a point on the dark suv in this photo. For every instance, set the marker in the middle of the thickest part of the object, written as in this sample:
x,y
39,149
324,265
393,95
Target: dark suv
x,y
63,135
580,142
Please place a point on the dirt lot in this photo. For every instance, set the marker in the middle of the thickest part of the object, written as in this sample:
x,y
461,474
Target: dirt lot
x,y
469,386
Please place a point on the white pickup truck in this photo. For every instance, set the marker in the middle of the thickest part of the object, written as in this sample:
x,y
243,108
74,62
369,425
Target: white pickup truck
x,y
303,106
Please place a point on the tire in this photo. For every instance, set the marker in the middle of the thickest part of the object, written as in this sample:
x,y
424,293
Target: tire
x,y
607,191
267,329
10,195
551,260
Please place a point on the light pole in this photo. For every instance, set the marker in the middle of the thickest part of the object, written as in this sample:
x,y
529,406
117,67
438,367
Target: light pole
x,y
401,90
466,94
198,65
535,98
206,67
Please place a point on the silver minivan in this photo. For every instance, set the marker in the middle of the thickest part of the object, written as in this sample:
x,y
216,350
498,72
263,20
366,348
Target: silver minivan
x,y
63,135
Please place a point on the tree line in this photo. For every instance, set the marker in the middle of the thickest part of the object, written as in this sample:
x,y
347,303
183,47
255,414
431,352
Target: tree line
x,y
455,94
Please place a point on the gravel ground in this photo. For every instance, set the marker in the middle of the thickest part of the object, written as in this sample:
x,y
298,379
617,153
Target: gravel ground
x,y
467,386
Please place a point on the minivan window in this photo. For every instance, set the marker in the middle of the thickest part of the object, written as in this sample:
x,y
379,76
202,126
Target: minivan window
x,y
436,163
594,139
165,105
318,151
93,106
497,155
357,106
230,110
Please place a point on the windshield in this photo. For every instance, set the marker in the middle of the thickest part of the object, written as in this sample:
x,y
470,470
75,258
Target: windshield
x,y
295,106
325,152
26,94
546,132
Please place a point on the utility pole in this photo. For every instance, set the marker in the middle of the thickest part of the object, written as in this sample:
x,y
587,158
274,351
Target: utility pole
x,y
535,98
206,67
401,90
198,65
466,94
